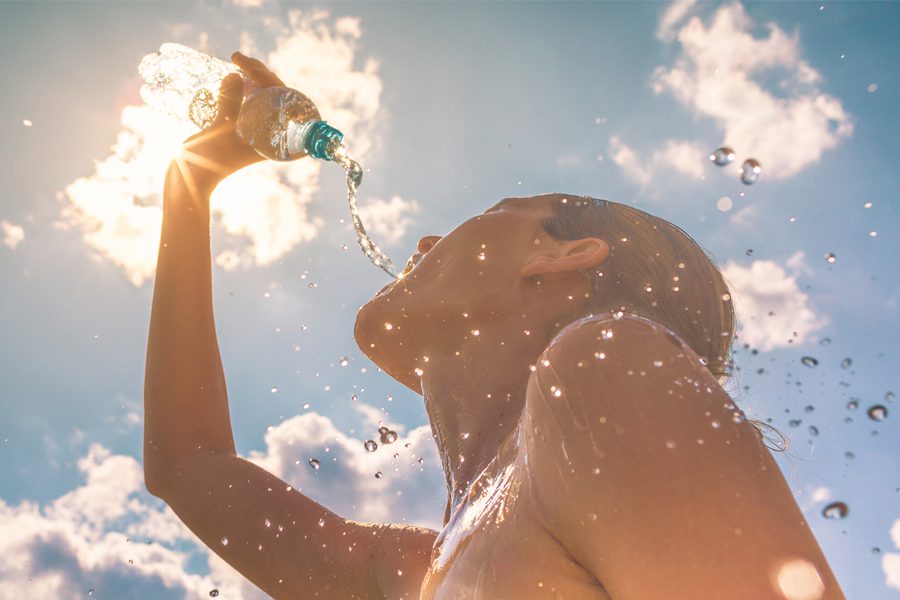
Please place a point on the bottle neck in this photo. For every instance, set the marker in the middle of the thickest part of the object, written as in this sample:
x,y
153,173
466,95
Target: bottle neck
x,y
318,138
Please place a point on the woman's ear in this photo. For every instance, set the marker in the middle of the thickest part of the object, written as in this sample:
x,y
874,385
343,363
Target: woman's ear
x,y
571,256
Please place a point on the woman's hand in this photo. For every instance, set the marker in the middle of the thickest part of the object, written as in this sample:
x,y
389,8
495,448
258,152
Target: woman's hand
x,y
216,152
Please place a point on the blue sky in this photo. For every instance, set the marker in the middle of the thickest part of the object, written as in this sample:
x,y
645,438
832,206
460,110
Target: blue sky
x,y
450,107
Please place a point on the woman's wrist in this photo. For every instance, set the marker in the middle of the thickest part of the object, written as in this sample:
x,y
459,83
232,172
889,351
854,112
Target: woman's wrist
x,y
197,180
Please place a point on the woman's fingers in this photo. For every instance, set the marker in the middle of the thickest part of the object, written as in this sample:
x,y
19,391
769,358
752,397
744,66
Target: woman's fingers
x,y
257,70
231,94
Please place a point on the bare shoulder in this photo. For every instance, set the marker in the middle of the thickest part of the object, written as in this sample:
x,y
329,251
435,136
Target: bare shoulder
x,y
649,475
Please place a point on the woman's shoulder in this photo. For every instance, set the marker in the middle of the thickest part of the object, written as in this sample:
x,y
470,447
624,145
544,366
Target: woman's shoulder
x,y
628,329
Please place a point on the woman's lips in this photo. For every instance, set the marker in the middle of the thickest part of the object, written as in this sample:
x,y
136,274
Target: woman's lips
x,y
410,265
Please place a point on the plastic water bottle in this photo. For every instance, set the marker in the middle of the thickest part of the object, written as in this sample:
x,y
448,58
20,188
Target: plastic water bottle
x,y
279,123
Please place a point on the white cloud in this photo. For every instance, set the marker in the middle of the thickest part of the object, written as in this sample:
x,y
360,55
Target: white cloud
x,y
109,534
714,77
408,491
675,156
388,220
12,234
771,309
85,539
263,207
746,216
890,562
674,14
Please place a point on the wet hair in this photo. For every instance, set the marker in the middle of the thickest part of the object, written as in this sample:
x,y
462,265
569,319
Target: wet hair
x,y
654,270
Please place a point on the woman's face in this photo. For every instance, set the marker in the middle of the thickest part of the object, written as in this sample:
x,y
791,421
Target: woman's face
x,y
455,284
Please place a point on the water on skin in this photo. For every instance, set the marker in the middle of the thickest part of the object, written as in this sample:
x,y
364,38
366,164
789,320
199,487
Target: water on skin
x,y
354,176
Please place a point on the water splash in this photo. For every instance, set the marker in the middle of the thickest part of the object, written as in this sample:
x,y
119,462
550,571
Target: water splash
x,y
750,171
836,510
722,156
877,412
339,154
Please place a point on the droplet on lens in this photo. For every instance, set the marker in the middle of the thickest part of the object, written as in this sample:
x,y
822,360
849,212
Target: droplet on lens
x,y
830,258
845,364
809,361
370,446
314,463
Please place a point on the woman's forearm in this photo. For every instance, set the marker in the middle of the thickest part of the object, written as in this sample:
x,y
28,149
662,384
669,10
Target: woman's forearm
x,y
185,400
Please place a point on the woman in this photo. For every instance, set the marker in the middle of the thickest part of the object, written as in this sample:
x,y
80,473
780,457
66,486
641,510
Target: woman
x,y
567,350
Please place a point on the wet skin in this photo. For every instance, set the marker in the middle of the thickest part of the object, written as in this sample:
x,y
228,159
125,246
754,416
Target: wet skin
x,y
596,473
615,467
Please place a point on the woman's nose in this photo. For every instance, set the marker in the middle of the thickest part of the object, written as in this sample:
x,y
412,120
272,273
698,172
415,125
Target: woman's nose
x,y
427,242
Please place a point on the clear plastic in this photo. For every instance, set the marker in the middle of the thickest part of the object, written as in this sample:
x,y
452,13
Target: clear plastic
x,y
185,83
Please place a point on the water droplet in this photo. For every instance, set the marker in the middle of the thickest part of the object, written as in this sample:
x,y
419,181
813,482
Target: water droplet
x,y
809,408
389,437
750,171
836,510
306,405
849,455
388,326
813,430
809,361
370,446
845,364
825,341
379,475
344,361
889,396
314,463
853,404
657,363
873,233
722,156
794,422
213,593
877,412
224,541
321,522
91,592
268,523
130,562
274,390
724,204
830,257
872,88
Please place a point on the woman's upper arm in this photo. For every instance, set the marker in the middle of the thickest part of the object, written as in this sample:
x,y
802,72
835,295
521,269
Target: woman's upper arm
x,y
648,474
289,545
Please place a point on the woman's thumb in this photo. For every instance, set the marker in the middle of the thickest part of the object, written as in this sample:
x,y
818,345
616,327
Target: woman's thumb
x,y
231,95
